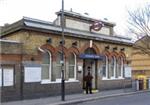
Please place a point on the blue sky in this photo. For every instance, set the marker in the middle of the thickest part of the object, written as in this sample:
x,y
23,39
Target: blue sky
x,y
114,10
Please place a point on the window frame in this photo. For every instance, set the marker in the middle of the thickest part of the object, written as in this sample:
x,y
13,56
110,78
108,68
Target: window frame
x,y
12,67
122,68
114,64
44,81
59,65
106,68
75,68
113,67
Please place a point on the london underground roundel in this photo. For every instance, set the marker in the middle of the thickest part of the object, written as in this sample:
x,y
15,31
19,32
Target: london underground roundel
x,y
96,26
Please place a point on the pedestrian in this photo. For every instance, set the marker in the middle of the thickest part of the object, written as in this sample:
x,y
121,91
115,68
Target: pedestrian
x,y
88,79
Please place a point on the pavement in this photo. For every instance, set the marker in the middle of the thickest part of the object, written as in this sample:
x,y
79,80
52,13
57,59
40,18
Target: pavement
x,y
75,98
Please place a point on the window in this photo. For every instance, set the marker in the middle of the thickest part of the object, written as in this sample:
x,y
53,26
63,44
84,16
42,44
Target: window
x,y
112,67
46,66
115,66
58,66
6,76
105,68
72,66
120,68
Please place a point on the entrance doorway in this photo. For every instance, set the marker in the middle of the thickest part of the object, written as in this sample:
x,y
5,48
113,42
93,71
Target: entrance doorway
x,y
93,65
141,84
90,59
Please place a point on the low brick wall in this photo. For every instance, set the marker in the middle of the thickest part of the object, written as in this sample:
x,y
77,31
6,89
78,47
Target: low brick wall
x,y
115,84
10,94
36,90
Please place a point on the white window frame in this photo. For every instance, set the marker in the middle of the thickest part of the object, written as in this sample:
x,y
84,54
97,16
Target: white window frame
x,y
122,67
75,69
106,69
114,77
114,67
59,79
44,81
3,74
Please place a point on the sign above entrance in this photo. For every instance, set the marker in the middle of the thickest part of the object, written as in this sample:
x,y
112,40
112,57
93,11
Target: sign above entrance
x,y
91,56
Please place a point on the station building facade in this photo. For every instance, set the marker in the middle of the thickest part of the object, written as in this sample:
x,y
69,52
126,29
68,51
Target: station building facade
x,y
31,56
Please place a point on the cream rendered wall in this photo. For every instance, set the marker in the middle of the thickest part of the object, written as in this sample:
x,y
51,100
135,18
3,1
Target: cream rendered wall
x,y
77,25
85,26
141,62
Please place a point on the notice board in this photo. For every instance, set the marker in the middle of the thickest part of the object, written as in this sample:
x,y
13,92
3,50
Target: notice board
x,y
32,74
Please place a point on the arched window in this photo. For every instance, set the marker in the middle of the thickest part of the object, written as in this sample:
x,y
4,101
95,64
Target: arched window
x,y
120,67
112,67
105,68
72,66
46,66
58,66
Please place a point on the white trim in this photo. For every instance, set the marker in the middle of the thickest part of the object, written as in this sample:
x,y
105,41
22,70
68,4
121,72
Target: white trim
x,y
8,76
72,80
45,81
54,82
39,48
122,67
75,68
10,41
112,63
106,68
112,78
91,43
120,77
58,64
50,67
115,64
104,78
58,79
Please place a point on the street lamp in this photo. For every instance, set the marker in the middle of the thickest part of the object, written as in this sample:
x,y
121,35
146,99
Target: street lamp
x,y
62,55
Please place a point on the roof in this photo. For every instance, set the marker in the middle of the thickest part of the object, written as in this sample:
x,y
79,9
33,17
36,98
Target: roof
x,y
45,26
142,38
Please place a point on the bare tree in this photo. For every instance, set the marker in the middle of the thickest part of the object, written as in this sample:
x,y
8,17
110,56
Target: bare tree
x,y
139,24
139,21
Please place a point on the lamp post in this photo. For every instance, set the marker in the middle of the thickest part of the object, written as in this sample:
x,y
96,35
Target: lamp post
x,y
62,55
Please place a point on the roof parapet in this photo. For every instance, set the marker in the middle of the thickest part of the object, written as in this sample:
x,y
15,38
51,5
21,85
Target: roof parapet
x,y
84,17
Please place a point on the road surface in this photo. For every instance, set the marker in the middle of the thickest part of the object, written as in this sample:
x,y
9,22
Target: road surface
x,y
134,99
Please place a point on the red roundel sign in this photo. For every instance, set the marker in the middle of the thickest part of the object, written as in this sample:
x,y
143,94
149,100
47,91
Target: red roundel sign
x,y
96,26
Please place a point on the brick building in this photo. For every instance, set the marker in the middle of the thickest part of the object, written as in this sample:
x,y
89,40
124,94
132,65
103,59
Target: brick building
x,y
141,63
31,54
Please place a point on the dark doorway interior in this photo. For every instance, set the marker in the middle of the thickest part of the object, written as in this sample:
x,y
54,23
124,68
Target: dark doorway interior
x,y
141,85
